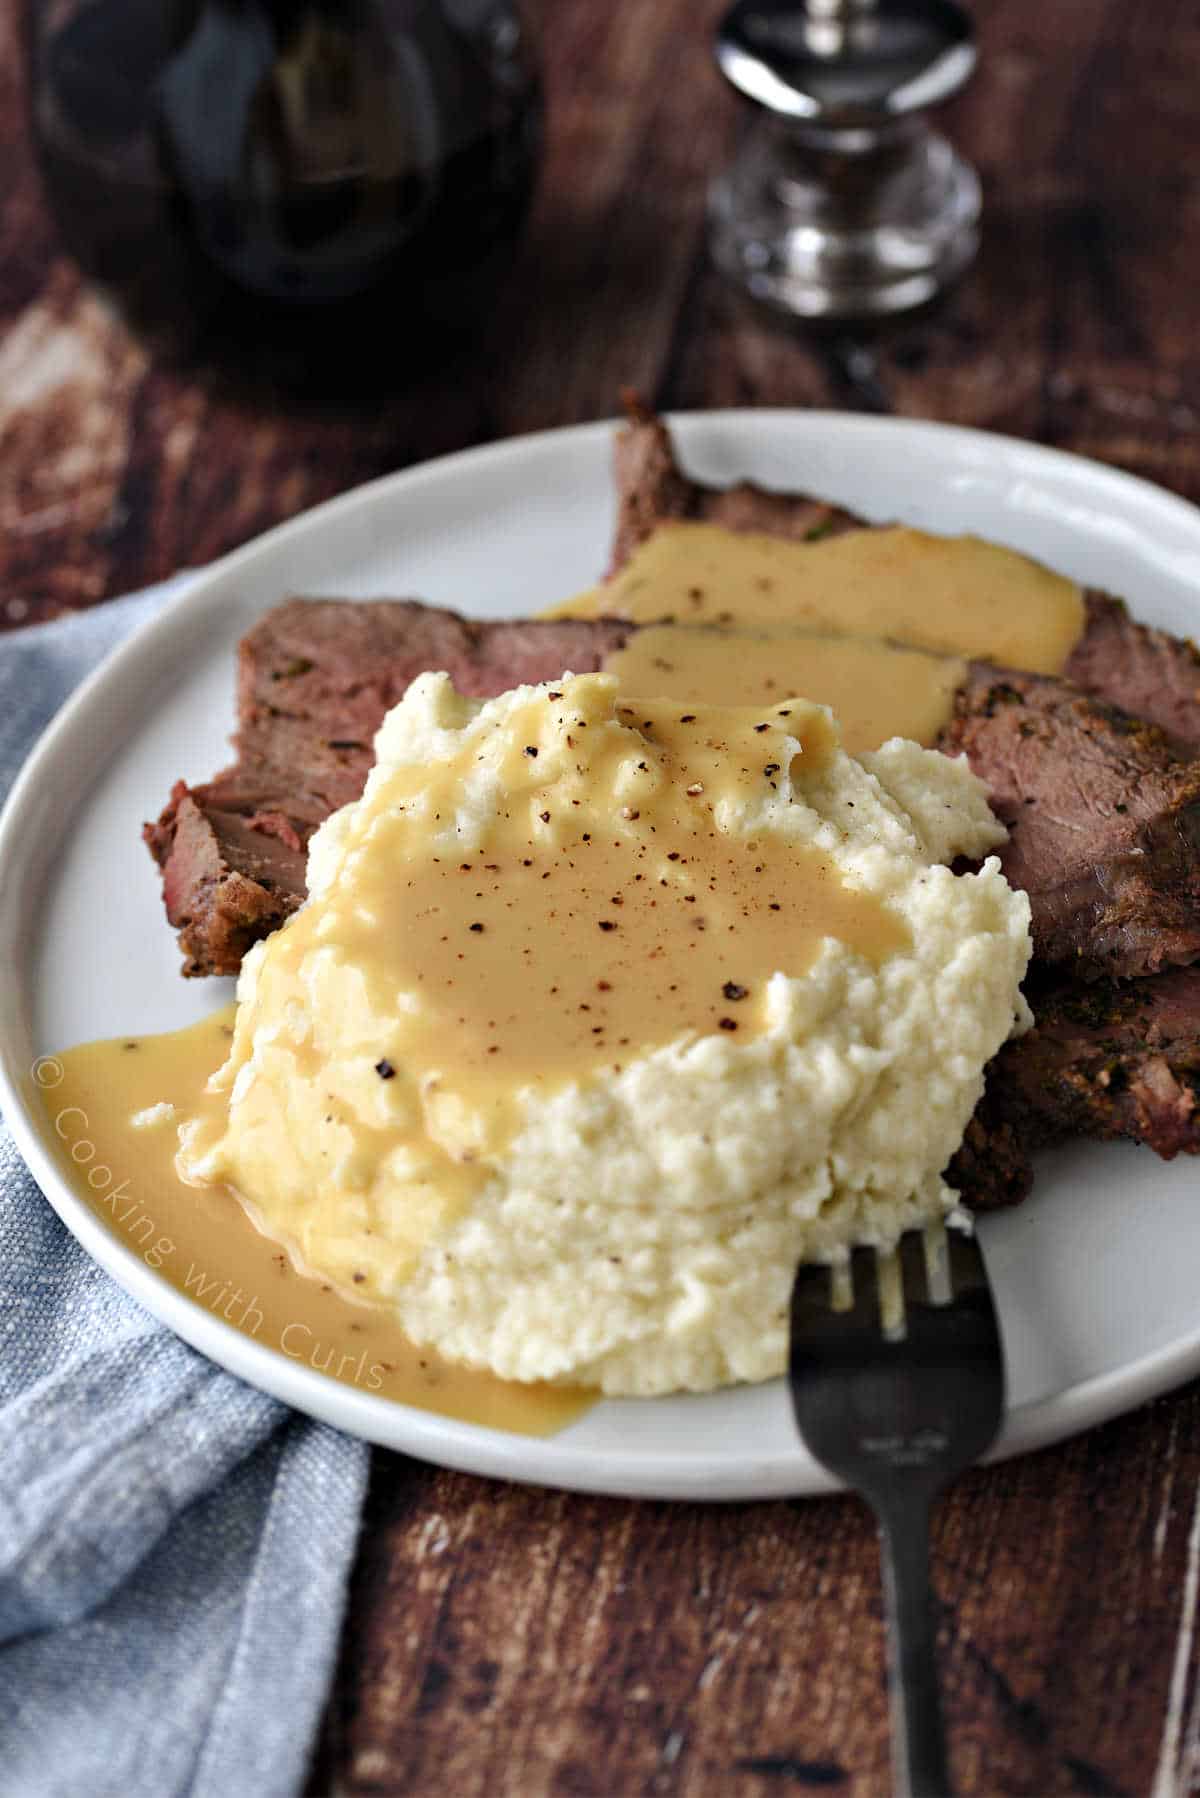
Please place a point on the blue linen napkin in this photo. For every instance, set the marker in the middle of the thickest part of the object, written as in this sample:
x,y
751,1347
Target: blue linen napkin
x,y
174,1546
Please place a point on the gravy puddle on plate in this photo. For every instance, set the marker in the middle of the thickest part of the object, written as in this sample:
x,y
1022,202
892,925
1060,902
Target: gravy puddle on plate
x,y
201,1240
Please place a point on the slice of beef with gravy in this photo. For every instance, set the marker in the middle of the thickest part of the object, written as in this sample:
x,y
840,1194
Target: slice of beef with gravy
x,y
1148,672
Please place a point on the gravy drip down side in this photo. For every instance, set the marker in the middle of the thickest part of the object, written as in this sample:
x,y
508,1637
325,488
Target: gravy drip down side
x,y
111,1122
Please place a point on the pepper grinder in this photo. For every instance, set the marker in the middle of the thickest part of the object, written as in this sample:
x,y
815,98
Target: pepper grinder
x,y
842,203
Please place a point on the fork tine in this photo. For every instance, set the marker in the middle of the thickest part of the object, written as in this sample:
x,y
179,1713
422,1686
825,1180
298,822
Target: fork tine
x,y
812,1294
864,1268
893,1317
911,1250
824,1297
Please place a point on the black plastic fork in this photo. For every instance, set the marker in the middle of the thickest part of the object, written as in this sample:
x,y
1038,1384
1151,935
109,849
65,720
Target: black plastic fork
x,y
897,1382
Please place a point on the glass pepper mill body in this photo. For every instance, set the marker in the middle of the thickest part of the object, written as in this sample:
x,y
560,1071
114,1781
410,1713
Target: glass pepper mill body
x,y
842,203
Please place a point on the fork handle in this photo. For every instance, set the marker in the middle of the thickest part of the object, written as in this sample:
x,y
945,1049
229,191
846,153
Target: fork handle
x,y
918,1741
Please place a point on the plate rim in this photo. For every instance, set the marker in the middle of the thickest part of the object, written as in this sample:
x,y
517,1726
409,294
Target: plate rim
x,y
449,1442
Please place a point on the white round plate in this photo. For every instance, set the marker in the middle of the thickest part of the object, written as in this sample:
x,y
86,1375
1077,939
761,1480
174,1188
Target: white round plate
x,y
1095,1276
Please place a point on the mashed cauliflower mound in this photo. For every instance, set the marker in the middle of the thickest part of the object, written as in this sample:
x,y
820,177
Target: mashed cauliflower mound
x,y
634,1227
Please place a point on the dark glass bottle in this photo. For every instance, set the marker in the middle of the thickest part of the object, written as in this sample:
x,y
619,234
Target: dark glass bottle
x,y
272,174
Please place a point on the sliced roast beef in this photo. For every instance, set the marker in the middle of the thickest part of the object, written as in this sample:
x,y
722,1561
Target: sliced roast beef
x,y
315,679
1103,1061
652,489
1147,672
1104,821
1114,1060
226,880
992,1168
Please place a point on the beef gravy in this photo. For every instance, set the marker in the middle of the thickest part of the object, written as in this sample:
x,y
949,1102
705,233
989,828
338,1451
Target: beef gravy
x,y
873,623
875,690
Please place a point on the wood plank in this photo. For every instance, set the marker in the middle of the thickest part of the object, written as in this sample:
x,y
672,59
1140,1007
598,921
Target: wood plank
x,y
509,1640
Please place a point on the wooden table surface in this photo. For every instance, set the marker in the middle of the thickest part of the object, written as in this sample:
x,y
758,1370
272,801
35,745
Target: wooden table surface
x,y
503,1641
